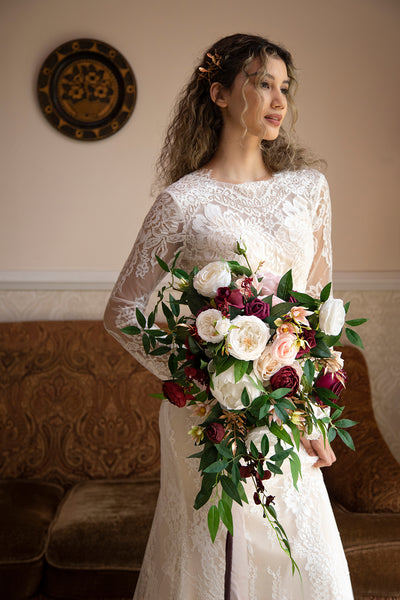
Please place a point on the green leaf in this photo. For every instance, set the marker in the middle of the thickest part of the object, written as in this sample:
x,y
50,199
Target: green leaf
x,y
305,300
240,368
230,488
321,350
131,330
331,434
181,274
216,467
273,468
226,515
309,371
159,396
280,456
173,364
280,433
160,351
204,494
295,434
353,337
174,304
285,286
281,413
295,467
264,445
223,364
344,423
346,438
141,319
245,399
146,343
346,307
210,455
279,393
280,309
325,292
213,521
242,493
223,450
337,412
253,450
151,319
356,322
162,264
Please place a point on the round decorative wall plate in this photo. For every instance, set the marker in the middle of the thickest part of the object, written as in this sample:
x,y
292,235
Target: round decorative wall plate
x,y
86,89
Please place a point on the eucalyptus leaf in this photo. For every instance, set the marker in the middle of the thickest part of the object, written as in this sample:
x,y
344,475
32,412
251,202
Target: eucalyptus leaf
x,y
213,519
162,264
346,438
325,292
230,488
285,286
353,337
131,330
226,515
141,319
356,322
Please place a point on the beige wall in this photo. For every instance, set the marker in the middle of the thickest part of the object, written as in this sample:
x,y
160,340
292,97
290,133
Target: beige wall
x,y
70,210
75,205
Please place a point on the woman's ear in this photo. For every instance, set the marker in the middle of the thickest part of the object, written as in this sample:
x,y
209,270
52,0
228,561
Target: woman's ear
x,y
219,94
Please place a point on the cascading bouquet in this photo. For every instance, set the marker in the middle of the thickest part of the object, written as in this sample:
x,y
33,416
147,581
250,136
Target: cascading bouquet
x,y
255,361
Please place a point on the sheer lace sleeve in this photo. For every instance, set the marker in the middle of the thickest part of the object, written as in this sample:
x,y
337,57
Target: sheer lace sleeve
x,y
161,234
321,271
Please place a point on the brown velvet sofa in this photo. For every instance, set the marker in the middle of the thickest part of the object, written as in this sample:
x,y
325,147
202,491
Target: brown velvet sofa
x,y
79,469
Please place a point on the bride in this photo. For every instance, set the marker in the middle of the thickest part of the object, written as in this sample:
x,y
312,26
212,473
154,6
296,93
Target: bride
x,y
231,171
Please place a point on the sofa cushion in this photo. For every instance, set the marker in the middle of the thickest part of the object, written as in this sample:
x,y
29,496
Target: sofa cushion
x,y
26,511
97,541
372,546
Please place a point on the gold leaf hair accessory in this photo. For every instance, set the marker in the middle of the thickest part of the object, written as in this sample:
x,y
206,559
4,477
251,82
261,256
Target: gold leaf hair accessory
x,y
213,63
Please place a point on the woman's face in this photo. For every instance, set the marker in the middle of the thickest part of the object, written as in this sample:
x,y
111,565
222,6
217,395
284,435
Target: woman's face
x,y
266,99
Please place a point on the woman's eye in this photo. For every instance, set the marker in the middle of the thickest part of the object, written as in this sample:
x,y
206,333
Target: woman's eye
x,y
265,85
285,91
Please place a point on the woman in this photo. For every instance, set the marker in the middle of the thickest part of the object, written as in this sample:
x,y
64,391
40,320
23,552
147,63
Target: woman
x,y
233,173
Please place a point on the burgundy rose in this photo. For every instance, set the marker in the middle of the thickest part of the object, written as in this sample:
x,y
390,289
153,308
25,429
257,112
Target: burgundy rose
x,y
258,308
227,296
308,335
286,377
193,373
174,393
331,381
215,432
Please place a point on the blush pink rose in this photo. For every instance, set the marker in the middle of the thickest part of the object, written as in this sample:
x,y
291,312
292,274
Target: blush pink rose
x,y
269,283
284,348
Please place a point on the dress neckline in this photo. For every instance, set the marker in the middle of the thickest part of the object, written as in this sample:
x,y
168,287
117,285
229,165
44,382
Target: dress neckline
x,y
207,174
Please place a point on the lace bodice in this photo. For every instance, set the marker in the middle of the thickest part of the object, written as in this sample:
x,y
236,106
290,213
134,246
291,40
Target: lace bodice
x,y
285,223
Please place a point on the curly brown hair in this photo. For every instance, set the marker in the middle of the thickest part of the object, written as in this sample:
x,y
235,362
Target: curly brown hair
x,y
193,134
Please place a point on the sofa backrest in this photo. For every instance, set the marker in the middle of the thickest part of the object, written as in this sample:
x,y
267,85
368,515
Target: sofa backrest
x,y
74,405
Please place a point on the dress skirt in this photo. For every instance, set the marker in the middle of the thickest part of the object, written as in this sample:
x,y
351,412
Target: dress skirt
x,y
181,562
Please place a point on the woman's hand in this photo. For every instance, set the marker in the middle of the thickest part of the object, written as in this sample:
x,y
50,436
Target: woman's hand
x,y
320,448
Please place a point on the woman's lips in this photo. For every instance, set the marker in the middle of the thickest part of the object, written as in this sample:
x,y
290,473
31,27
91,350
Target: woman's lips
x,y
274,120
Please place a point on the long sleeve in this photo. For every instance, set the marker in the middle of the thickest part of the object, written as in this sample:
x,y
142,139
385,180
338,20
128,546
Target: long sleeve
x,y
321,270
161,234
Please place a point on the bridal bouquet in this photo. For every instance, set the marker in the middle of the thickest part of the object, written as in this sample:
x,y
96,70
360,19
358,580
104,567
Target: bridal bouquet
x,y
255,364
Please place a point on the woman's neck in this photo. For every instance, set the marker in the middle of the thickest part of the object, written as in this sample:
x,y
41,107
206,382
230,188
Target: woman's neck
x,y
238,161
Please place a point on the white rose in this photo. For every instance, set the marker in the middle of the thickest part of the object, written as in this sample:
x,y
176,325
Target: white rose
x,y
205,324
228,393
248,338
332,316
211,277
222,326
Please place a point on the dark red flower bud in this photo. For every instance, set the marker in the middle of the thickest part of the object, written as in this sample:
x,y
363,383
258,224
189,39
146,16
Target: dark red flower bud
x,y
267,475
269,500
215,433
245,471
331,381
256,498
174,393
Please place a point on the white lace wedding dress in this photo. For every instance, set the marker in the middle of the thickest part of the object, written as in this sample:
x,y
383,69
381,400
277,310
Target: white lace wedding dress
x,y
284,221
